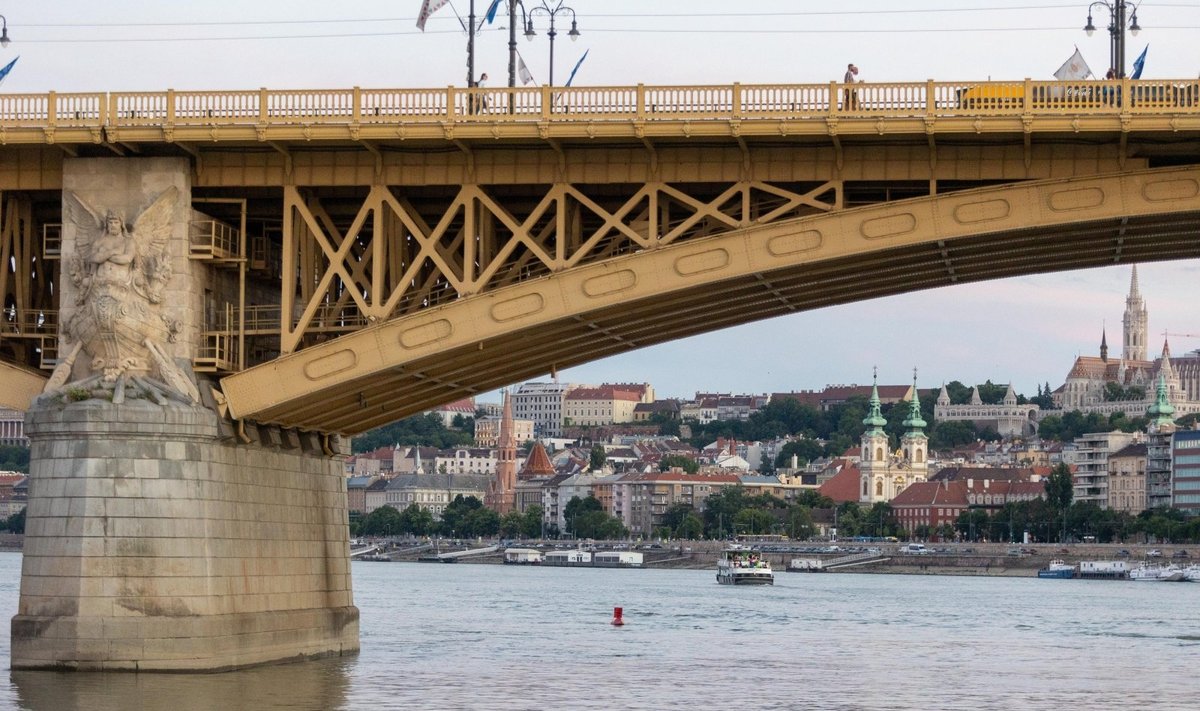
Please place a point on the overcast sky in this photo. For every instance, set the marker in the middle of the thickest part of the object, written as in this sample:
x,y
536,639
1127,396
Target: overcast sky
x,y
1024,330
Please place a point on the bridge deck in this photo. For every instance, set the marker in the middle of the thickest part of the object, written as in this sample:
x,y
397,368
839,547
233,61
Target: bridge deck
x,y
632,111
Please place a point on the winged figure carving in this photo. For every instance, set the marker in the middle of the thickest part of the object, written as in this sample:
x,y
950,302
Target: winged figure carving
x,y
120,275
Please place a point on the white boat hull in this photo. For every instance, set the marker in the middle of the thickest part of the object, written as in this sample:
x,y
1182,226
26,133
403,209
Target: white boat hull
x,y
756,576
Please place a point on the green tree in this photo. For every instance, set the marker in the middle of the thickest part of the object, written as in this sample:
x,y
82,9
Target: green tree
x,y
598,525
676,514
1059,487
532,526
813,500
597,459
689,465
951,433
512,524
667,426
481,522
16,522
880,520
799,523
805,450
383,521
454,517
575,510
972,524
766,467
753,521
416,520
14,459
959,394
426,430
692,527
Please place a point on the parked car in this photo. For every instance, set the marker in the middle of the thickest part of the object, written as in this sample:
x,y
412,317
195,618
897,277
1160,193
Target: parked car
x,y
1180,554
1154,553
1123,553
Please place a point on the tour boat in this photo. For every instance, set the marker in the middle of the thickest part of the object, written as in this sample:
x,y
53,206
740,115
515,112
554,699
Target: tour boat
x,y
1192,573
1157,573
1057,569
741,566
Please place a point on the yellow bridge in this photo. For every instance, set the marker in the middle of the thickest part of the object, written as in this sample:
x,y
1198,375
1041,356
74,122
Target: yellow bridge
x,y
378,252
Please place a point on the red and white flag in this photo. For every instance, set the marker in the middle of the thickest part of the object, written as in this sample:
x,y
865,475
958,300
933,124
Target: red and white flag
x,y
428,7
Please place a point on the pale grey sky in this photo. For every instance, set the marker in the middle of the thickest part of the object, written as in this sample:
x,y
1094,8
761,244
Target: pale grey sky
x,y
1025,330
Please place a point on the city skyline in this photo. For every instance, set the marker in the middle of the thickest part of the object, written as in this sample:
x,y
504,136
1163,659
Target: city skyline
x,y
1025,330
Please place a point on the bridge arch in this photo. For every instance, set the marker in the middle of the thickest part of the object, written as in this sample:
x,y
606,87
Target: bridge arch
x,y
590,311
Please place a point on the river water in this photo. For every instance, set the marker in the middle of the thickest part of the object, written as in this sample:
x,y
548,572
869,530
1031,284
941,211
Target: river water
x,y
495,637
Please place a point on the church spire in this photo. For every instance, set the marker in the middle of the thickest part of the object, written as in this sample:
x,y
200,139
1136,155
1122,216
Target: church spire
x,y
1104,345
1133,285
874,419
914,422
1162,411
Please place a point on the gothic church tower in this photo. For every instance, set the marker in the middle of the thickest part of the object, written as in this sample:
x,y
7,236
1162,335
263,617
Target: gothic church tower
x,y
1136,322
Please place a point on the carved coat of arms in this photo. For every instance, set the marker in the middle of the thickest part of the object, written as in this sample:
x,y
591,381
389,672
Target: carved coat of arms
x,y
120,275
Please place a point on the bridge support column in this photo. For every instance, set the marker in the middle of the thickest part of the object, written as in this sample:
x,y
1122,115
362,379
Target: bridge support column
x,y
153,544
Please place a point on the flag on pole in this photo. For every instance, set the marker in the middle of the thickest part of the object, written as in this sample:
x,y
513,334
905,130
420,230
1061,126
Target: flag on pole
x,y
523,72
7,68
1073,68
1139,63
491,11
428,7
572,77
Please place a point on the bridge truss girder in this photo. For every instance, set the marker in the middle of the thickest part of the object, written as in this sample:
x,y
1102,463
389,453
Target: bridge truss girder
x,y
396,257
608,303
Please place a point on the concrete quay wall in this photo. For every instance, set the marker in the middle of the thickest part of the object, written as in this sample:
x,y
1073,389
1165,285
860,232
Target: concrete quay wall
x,y
153,543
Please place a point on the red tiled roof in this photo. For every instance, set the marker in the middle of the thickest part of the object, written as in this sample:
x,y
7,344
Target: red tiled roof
x,y
604,392
932,493
843,486
464,405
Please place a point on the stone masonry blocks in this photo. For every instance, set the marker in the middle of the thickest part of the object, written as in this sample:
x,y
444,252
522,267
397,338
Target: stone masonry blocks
x,y
152,544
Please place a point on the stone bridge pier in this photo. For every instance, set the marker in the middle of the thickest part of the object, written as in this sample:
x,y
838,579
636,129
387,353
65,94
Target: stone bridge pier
x,y
160,536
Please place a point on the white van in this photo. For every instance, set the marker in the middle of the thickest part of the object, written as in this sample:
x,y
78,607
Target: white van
x,y
914,549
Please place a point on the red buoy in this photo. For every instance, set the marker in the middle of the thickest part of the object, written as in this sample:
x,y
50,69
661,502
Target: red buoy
x,y
617,621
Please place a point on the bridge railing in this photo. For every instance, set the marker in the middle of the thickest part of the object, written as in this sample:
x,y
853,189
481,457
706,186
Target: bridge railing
x,y
928,99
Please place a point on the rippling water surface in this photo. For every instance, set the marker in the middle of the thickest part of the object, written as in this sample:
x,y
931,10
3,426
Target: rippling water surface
x,y
494,637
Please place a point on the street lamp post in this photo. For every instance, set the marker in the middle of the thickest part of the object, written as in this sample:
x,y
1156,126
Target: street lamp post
x,y
4,40
551,13
1117,12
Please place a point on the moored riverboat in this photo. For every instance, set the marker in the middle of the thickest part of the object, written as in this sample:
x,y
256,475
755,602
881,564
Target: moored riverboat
x,y
1103,570
1057,570
522,556
742,566
1152,572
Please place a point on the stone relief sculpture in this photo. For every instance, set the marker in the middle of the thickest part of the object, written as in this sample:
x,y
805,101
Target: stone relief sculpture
x,y
119,321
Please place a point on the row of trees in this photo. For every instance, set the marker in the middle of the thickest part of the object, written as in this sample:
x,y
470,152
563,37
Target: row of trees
x,y
14,523
829,433
422,430
14,458
464,517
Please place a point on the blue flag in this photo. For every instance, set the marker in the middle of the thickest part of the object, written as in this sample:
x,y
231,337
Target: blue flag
x,y
1139,63
491,11
572,77
7,68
